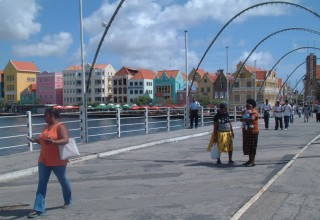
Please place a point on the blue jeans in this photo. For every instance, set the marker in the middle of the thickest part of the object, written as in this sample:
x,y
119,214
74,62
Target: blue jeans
x,y
44,175
286,121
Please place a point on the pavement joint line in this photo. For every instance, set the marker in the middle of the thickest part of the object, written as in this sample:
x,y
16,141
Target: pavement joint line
x,y
253,199
29,171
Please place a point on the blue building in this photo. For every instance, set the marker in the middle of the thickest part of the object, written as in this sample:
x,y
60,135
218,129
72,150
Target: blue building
x,y
166,84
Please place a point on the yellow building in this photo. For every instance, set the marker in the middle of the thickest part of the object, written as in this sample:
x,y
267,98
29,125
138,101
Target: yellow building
x,y
248,83
17,77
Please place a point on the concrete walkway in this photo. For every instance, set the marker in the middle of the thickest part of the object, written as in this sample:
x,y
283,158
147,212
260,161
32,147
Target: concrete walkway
x,y
285,184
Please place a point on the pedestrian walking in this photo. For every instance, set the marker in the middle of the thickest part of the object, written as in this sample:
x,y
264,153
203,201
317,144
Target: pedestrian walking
x,y
266,113
306,113
292,112
300,111
222,133
286,114
194,110
54,134
277,111
250,135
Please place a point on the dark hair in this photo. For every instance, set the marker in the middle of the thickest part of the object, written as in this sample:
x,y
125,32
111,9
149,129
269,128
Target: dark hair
x,y
52,112
251,102
222,105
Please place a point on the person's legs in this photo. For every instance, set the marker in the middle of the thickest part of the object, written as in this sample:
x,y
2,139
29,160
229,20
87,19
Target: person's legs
x,y
281,125
44,175
60,172
230,157
286,122
266,120
196,120
277,123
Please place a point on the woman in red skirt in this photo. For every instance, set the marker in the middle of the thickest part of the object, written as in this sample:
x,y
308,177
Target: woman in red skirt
x,y
250,134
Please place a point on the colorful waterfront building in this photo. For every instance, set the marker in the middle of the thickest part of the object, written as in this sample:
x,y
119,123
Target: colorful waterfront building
x,y
100,85
18,76
50,88
182,93
166,84
1,85
29,95
125,90
141,84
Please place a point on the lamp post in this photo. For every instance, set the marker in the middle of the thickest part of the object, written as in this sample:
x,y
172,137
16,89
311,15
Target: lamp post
x,y
187,89
255,77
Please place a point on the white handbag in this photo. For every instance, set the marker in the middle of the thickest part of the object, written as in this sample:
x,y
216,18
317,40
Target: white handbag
x,y
215,152
69,150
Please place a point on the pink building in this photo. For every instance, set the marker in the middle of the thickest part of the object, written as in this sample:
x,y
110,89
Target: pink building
x,y
50,88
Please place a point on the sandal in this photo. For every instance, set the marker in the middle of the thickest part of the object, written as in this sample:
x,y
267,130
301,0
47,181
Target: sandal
x,y
34,214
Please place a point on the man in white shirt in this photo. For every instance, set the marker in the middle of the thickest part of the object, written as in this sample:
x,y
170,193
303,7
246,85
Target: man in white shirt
x,y
277,111
194,109
266,113
286,114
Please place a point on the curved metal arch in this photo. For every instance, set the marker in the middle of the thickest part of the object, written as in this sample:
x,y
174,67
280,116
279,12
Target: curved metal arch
x,y
101,41
234,17
264,39
270,71
288,78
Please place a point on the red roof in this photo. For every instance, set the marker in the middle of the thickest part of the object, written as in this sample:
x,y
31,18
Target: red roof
x,y
32,87
261,75
170,73
25,66
213,77
201,72
144,74
252,69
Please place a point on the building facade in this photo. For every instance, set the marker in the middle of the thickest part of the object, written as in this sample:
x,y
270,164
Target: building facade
x,y
310,80
141,84
100,85
166,85
1,85
17,77
29,95
50,88
247,84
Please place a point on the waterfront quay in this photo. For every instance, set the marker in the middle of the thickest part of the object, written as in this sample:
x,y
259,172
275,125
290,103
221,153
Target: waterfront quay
x,y
170,175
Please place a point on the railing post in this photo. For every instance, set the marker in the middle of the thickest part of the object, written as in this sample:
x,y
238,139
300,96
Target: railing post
x,y
29,124
168,119
185,116
202,122
118,122
235,113
146,114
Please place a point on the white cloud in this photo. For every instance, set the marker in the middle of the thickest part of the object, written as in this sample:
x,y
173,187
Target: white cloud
x,y
17,19
148,34
51,45
263,59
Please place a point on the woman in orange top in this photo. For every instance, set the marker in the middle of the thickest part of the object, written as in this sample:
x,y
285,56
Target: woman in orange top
x,y
54,134
250,134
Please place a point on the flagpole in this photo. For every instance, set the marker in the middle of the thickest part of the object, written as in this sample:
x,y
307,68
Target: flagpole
x,y
187,89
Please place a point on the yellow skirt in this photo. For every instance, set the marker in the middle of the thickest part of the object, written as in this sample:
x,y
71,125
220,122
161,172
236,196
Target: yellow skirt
x,y
224,141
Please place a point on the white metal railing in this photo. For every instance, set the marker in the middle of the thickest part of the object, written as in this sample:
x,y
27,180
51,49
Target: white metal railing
x,y
102,125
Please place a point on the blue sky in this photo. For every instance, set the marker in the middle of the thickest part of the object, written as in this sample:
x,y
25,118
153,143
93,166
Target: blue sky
x,y
150,33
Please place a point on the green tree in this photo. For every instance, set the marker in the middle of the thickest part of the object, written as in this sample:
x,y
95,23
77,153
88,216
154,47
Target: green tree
x,y
204,100
142,100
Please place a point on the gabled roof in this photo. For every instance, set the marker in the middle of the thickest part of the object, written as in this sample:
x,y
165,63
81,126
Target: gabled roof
x,y
170,73
252,69
144,74
261,75
212,77
184,75
25,66
30,89
201,72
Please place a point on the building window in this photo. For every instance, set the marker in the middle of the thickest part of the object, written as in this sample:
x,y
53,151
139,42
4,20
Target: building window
x,y
208,89
124,90
205,80
120,82
120,90
131,91
141,92
115,91
140,83
237,98
131,83
115,82
249,84
135,91
236,84
202,90
124,82
135,83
